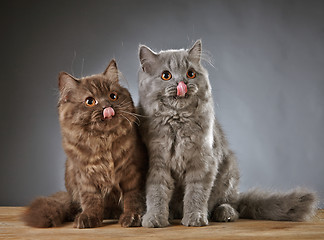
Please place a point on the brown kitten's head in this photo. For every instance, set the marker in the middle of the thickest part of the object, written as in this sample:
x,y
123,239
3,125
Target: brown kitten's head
x,y
95,103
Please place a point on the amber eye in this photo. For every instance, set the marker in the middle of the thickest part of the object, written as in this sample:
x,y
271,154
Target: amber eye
x,y
113,96
90,101
166,75
191,74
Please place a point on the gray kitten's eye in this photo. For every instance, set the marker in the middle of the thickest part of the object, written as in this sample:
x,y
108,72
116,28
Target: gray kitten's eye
x,y
90,101
166,75
191,74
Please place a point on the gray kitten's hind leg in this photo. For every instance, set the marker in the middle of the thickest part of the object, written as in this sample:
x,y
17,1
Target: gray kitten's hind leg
x,y
224,213
223,199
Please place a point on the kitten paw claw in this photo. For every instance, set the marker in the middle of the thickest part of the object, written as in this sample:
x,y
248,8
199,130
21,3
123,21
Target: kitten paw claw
x,y
130,220
154,221
195,220
84,220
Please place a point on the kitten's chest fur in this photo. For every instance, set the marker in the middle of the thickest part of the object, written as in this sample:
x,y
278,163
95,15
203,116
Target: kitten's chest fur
x,y
182,125
101,165
96,161
181,129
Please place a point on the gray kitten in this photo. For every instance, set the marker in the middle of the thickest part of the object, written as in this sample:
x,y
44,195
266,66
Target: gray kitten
x,y
193,174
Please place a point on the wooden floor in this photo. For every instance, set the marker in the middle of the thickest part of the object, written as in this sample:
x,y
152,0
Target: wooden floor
x,y
12,228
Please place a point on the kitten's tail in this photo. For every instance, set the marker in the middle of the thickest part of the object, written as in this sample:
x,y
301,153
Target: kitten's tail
x,y
50,211
296,205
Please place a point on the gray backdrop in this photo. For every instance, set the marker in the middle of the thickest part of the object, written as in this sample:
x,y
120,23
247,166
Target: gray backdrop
x,y
267,76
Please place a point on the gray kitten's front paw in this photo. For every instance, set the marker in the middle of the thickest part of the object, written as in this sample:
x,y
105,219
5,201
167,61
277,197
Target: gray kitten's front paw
x,y
152,220
195,219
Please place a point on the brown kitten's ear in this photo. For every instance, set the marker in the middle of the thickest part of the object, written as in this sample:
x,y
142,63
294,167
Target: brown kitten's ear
x,y
111,71
66,83
148,58
195,52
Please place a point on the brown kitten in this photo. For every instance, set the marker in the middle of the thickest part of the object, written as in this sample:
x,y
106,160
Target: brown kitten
x,y
106,161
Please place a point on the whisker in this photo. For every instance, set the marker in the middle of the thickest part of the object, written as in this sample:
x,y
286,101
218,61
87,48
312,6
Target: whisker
x,y
123,104
132,114
72,64
126,105
207,57
82,66
137,121
124,101
122,78
126,119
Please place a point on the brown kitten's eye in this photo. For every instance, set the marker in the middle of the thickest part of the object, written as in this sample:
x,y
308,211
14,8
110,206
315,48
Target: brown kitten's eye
x,y
191,74
90,101
113,96
166,75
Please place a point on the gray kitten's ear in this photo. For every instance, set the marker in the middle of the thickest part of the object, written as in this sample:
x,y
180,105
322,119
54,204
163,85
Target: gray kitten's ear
x,y
195,52
148,58
67,82
112,71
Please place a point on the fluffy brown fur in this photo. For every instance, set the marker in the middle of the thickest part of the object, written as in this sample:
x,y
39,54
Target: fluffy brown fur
x,y
106,161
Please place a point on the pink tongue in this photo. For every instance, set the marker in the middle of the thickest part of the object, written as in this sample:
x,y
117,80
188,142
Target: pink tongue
x,y
108,113
181,89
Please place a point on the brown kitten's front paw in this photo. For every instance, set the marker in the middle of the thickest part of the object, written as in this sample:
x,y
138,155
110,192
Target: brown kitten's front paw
x,y
84,220
225,213
195,219
130,220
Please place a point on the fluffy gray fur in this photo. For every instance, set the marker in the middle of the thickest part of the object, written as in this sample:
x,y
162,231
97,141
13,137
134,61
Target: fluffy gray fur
x,y
193,174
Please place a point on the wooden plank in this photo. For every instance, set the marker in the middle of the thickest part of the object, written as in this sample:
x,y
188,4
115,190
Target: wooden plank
x,y
11,227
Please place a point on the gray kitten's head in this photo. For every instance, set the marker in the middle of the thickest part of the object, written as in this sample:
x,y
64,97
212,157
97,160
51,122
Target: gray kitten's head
x,y
174,77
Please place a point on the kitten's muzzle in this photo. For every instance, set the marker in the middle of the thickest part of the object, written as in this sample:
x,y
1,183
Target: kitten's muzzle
x,y
108,113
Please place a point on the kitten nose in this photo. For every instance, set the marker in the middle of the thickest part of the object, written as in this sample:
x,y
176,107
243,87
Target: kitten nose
x,y
108,113
105,104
